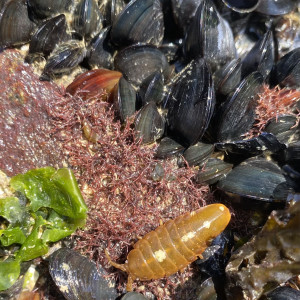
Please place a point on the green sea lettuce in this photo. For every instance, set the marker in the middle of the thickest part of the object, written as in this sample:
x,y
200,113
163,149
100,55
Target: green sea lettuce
x,y
49,207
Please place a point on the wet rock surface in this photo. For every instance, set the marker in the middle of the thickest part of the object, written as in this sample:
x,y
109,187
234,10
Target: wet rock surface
x,y
26,140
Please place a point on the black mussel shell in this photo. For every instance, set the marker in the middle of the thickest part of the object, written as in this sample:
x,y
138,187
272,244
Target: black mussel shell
x,y
138,62
283,293
214,265
210,36
242,6
78,278
287,70
276,7
141,21
149,124
48,35
99,50
87,18
183,11
133,296
168,147
48,8
124,98
63,59
196,154
15,26
228,77
252,147
190,103
260,57
152,88
238,112
292,155
256,180
283,127
213,170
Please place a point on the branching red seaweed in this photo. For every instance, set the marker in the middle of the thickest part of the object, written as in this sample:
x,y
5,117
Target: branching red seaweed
x,y
272,103
115,171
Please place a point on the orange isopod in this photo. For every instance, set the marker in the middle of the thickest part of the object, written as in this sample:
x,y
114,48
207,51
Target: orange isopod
x,y
175,244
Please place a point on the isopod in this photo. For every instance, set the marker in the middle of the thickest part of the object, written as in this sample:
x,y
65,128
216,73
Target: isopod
x,y
174,245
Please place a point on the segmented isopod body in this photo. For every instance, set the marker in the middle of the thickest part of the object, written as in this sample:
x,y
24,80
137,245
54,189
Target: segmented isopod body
x,y
175,244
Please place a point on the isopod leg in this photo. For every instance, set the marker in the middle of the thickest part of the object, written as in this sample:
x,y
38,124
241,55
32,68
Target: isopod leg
x,y
114,264
129,284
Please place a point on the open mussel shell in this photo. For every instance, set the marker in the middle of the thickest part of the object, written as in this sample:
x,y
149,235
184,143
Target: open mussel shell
x,y
242,6
99,51
260,57
138,62
47,8
15,26
190,103
78,278
149,124
228,77
287,70
198,153
152,88
141,21
50,33
213,170
256,181
210,36
168,147
276,7
124,98
238,112
94,83
283,293
252,147
65,57
87,18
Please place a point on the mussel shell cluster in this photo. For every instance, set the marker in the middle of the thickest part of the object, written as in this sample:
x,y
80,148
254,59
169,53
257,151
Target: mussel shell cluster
x,y
181,66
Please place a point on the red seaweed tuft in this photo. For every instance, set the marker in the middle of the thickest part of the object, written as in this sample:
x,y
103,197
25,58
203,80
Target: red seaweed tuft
x,y
272,103
115,171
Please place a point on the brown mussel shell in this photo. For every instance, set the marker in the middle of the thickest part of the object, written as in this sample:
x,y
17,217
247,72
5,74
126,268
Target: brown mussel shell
x,y
94,83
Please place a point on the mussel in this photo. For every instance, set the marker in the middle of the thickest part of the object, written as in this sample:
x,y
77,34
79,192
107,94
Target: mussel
x,y
79,278
190,103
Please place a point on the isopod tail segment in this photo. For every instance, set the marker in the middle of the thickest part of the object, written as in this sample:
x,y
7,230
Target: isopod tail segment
x,y
174,245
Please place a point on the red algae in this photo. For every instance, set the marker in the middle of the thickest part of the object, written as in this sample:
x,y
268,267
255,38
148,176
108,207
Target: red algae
x,y
116,174
26,141
272,103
